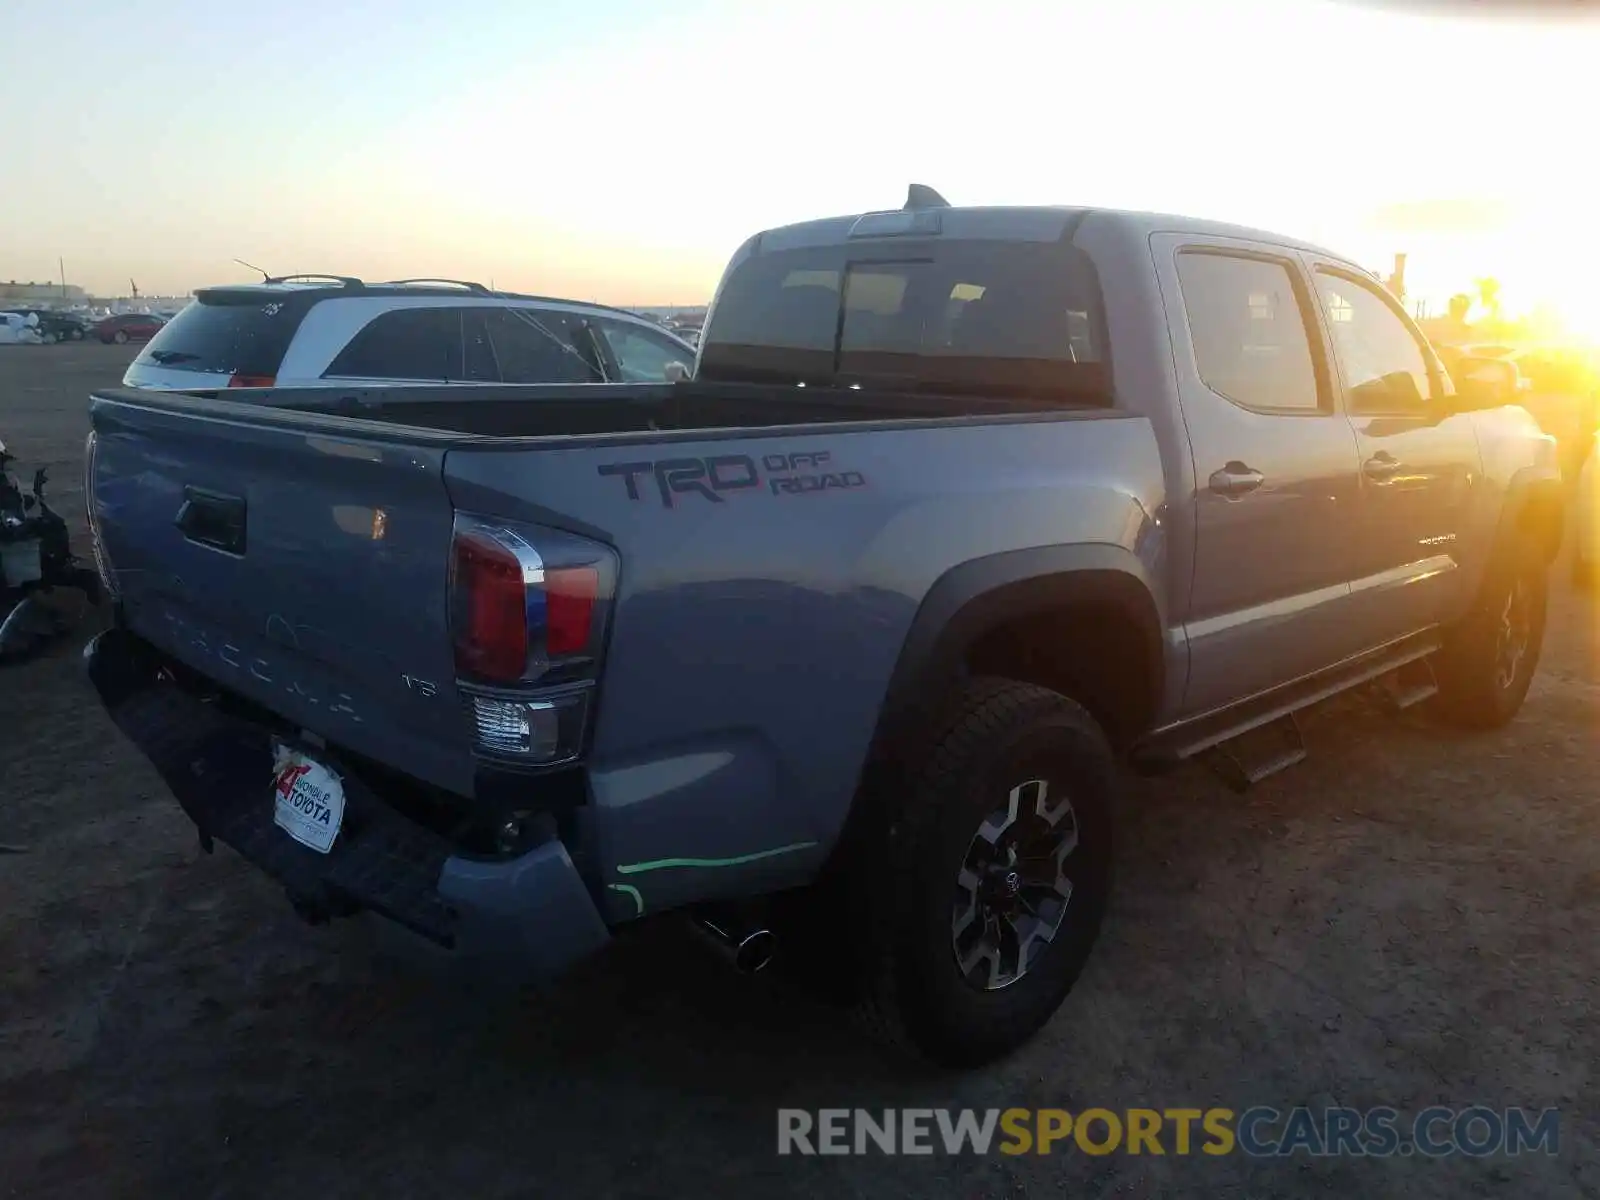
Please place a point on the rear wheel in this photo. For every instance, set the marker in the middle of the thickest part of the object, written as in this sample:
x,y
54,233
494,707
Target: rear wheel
x,y
1490,657
991,890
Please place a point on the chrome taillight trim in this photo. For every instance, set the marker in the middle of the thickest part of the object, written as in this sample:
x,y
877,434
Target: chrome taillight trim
x,y
97,548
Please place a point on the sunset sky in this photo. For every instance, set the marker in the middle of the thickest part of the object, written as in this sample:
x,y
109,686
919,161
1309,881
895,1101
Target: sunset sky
x,y
620,150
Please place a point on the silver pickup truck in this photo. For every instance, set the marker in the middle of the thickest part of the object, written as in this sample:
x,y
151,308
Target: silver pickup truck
x,y
840,642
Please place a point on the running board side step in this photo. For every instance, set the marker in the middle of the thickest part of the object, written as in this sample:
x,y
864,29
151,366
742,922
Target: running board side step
x,y
1410,684
1246,760
1410,681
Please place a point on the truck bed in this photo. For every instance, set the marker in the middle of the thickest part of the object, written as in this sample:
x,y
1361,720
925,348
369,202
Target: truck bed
x,y
544,410
292,551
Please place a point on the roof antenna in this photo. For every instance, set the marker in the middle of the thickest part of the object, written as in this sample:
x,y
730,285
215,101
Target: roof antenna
x,y
265,278
920,195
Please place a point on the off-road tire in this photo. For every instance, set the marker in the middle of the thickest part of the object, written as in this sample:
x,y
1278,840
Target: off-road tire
x,y
1471,693
995,735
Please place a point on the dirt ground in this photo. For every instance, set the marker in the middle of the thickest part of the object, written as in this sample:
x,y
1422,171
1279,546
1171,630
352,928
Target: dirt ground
x,y
1407,919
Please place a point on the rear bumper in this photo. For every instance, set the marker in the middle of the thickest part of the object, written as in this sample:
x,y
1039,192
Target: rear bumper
x,y
527,917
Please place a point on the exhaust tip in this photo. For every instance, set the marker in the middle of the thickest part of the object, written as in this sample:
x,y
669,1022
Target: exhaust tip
x,y
755,952
748,947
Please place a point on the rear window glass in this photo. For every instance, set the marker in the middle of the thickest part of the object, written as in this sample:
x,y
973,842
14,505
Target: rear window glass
x,y
226,336
408,343
962,317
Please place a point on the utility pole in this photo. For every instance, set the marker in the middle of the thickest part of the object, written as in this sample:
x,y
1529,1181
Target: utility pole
x,y
61,268
1396,282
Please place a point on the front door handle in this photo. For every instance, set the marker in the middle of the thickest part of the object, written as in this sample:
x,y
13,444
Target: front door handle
x,y
1382,466
1235,480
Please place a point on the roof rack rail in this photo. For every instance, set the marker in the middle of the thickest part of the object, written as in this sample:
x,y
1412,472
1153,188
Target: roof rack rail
x,y
464,283
349,281
920,195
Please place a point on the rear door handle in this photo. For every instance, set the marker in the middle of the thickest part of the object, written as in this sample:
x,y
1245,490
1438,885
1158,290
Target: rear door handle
x,y
1235,480
1382,466
212,519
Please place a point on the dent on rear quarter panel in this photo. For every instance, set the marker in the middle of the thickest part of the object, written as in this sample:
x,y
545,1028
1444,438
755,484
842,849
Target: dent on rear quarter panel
x,y
755,634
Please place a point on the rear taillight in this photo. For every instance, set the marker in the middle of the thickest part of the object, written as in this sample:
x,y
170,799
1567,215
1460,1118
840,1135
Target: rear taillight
x,y
569,596
235,381
490,608
540,732
528,609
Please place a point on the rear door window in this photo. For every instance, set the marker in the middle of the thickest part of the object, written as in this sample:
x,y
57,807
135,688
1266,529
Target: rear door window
x,y
1247,324
407,343
241,334
541,346
988,317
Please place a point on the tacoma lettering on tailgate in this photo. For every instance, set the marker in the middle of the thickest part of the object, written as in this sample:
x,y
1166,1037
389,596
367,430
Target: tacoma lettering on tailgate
x,y
802,473
241,664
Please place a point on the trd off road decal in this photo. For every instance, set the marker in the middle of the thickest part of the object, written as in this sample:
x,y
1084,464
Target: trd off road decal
x,y
804,473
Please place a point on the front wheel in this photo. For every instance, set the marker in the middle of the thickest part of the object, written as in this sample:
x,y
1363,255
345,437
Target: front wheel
x,y
120,337
993,884
1490,656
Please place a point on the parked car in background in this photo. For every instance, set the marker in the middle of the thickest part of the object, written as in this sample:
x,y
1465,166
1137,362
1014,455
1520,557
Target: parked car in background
x,y
128,327
333,331
16,329
58,326
1564,397
845,638
1558,368
1460,360
1557,387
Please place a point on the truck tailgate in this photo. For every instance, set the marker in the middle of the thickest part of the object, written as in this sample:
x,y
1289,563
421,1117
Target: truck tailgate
x,y
305,572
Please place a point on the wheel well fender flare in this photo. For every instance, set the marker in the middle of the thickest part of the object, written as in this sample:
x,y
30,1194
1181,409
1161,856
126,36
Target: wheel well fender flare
x,y
1535,503
982,595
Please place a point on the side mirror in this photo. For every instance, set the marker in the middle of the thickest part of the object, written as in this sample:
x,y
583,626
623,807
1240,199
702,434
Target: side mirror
x,y
1488,382
677,372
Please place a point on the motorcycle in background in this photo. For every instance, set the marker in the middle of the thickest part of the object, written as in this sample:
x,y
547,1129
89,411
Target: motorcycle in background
x,y
35,558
